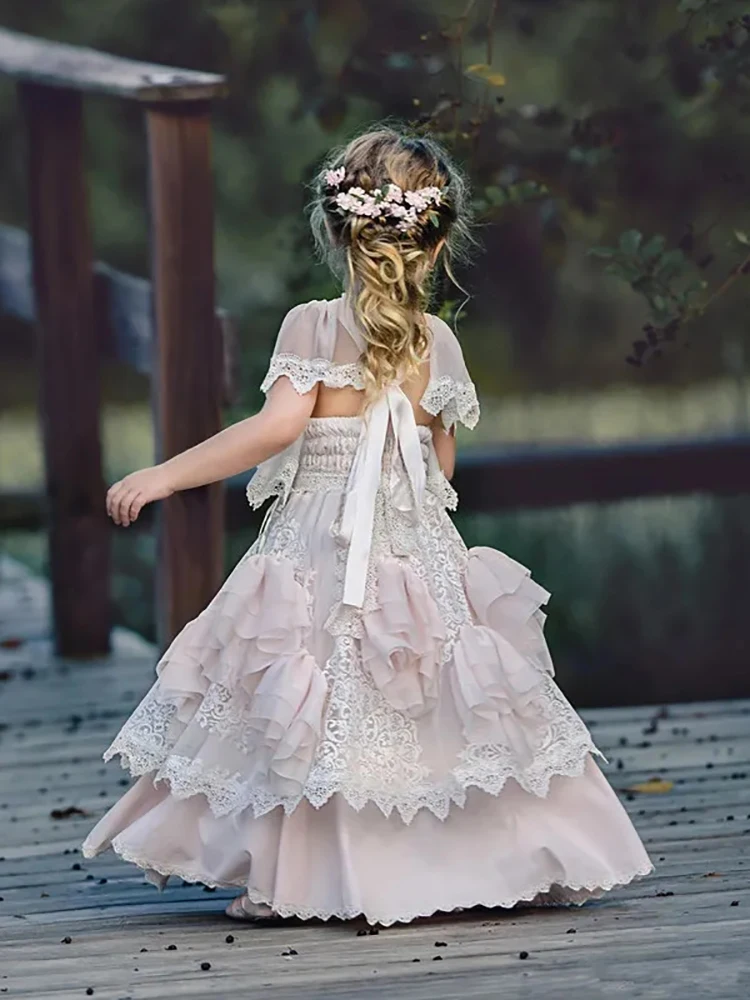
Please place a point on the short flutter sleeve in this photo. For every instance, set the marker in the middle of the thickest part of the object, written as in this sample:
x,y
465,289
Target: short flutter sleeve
x,y
306,353
305,349
450,391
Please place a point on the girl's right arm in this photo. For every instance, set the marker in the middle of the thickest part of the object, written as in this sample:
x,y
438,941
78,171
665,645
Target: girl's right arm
x,y
233,450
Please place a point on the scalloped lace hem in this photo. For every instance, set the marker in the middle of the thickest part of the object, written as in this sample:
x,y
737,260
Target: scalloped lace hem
x,y
456,400
157,874
227,795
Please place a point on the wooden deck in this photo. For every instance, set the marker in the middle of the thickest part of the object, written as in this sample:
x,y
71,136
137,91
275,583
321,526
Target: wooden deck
x,y
68,926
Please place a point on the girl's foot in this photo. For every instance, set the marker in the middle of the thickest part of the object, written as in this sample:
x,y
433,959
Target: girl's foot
x,y
241,908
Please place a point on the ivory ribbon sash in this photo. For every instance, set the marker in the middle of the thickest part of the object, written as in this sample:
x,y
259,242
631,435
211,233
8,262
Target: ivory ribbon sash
x,y
407,482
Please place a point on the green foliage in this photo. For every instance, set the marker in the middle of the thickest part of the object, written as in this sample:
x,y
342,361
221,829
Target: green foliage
x,y
495,197
666,278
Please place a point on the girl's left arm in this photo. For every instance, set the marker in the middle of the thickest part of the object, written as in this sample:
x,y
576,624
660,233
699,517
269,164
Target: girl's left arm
x,y
445,447
235,449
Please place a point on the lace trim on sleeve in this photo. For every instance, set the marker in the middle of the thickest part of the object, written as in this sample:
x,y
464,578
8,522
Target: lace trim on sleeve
x,y
456,401
304,373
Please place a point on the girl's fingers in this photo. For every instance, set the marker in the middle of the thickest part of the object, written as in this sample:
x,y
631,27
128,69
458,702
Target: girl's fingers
x,y
111,494
135,506
123,509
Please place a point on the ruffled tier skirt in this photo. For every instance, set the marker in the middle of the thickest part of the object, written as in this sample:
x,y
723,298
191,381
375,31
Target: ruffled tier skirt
x,y
496,851
412,756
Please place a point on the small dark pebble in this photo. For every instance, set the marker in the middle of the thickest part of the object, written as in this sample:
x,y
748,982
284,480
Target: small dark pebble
x,y
171,947
89,878
620,765
441,944
730,817
570,930
76,867
229,939
102,881
66,940
143,949
416,960
290,951
437,958
205,966
735,902
89,992
362,932
523,954
663,893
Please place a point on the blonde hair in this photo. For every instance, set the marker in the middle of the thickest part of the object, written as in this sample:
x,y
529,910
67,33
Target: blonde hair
x,y
389,273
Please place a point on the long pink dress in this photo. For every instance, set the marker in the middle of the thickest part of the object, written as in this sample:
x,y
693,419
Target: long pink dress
x,y
364,720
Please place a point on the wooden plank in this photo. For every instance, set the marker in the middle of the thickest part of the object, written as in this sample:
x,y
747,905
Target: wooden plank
x,y
79,537
123,308
489,479
54,64
187,388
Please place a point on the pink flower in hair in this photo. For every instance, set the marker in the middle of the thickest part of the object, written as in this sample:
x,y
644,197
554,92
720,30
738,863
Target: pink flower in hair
x,y
333,178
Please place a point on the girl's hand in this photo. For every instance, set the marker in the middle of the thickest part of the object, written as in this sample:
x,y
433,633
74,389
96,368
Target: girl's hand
x,y
126,498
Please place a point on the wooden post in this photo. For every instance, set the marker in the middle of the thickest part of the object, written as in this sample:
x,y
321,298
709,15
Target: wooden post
x,y
187,383
79,537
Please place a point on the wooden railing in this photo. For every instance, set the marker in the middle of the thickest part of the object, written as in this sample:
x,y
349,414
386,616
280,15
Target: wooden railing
x,y
498,479
170,328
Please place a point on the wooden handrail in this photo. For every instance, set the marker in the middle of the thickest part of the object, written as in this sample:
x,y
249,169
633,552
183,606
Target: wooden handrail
x,y
169,328
55,64
501,479
123,309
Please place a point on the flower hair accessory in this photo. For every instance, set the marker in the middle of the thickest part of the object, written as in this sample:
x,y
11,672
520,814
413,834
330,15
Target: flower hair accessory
x,y
389,204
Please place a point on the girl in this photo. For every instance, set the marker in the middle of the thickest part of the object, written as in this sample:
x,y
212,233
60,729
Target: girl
x,y
363,721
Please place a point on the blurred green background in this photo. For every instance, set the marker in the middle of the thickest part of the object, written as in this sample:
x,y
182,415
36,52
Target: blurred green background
x,y
606,143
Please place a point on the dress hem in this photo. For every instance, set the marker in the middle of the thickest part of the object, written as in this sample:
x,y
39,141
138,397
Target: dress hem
x,y
158,875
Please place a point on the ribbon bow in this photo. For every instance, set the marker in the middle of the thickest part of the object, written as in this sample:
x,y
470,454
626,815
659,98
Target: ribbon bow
x,y
407,491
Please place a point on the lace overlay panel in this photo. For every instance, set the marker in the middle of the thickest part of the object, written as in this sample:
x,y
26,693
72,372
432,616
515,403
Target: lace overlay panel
x,y
367,751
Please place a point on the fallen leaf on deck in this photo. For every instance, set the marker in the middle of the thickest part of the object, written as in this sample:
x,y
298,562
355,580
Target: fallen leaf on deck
x,y
653,786
11,643
713,875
